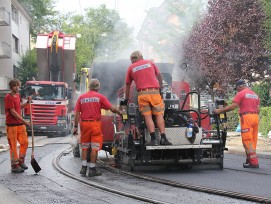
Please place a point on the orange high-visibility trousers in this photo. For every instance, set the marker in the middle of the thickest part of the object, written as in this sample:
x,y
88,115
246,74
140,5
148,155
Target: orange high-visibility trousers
x,y
249,132
14,134
91,135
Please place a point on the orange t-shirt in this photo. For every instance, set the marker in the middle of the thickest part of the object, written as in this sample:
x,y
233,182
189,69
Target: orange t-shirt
x,y
12,102
248,101
144,73
90,105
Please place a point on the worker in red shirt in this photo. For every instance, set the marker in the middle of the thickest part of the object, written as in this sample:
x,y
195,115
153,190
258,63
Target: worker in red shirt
x,y
249,108
148,82
88,110
15,125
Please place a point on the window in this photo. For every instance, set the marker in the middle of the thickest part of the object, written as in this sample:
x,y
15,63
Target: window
x,y
2,106
15,72
15,44
14,13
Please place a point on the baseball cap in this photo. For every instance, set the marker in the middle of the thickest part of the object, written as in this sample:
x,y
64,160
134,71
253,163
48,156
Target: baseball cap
x,y
239,83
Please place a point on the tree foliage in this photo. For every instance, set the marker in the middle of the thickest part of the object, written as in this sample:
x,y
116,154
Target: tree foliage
x,y
43,15
103,35
262,90
227,44
28,66
168,24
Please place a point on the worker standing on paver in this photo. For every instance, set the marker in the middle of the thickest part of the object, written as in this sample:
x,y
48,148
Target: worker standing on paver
x,y
15,125
249,108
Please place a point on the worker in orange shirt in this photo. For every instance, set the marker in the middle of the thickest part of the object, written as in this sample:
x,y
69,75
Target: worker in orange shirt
x,y
15,125
249,108
88,110
148,82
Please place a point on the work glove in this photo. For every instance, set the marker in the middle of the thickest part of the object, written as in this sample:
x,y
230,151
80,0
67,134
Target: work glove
x,y
124,102
161,91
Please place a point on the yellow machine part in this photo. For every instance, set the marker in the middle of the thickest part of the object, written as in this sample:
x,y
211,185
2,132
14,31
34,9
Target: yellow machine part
x,y
114,151
55,41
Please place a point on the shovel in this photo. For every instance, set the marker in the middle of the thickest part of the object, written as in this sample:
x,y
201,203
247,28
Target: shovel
x,y
34,163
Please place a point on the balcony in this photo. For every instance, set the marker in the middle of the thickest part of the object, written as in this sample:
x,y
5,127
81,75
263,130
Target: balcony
x,y
4,83
5,50
4,17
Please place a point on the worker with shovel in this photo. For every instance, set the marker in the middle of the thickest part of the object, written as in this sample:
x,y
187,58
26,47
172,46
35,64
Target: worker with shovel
x,y
16,127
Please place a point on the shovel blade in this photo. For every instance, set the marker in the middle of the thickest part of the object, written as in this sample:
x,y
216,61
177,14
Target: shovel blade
x,y
35,165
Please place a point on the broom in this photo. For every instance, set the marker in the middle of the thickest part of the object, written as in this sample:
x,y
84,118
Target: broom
x,y
33,162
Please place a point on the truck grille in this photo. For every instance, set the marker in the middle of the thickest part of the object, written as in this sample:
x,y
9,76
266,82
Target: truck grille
x,y
44,114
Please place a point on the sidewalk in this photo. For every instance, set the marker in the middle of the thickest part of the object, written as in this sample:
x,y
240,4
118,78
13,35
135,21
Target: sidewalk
x,y
237,146
4,146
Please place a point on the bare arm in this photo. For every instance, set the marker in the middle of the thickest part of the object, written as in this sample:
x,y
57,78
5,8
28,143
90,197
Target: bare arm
x,y
28,101
127,91
18,117
114,110
160,80
76,120
226,109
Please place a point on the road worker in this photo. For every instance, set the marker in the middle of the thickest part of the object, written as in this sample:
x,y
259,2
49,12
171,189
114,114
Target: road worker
x,y
88,110
249,107
149,83
16,127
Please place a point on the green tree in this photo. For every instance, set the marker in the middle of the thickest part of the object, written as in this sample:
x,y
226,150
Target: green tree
x,y
103,35
28,66
45,18
262,90
228,44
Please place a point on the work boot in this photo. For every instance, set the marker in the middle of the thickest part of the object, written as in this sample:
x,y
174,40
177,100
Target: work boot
x,y
152,143
93,172
17,169
248,165
23,166
83,171
21,163
164,141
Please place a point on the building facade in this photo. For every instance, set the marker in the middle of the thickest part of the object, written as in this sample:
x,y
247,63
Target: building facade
x,y
14,42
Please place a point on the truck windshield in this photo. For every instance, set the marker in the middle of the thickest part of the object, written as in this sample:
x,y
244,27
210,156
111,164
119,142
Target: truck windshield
x,y
45,92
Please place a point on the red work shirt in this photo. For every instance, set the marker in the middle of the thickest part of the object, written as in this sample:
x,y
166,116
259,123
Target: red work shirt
x,y
12,102
90,105
248,101
144,73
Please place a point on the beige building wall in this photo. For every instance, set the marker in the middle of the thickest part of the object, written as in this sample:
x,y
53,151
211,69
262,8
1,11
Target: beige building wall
x,y
14,41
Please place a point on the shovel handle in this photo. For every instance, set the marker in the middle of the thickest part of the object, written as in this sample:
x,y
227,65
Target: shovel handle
x,y
32,131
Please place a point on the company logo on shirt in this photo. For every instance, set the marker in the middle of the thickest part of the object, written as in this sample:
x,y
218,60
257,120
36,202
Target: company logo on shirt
x,y
90,100
251,96
144,66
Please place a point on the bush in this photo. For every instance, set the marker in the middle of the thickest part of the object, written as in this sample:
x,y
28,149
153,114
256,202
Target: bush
x,y
265,120
262,91
233,120
264,125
